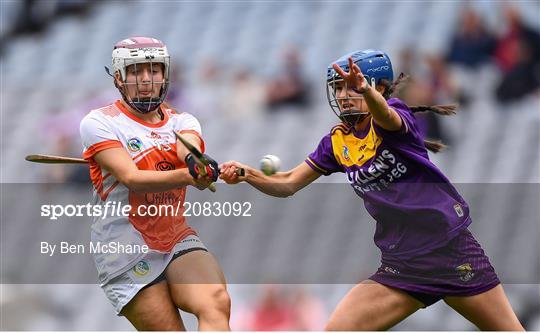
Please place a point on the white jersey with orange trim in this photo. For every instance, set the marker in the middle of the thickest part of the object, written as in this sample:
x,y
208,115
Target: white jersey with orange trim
x,y
152,147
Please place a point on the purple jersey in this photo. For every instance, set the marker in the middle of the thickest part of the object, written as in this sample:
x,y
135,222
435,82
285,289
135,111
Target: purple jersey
x,y
416,207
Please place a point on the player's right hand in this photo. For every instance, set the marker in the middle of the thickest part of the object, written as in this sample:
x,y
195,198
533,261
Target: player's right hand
x,y
354,77
228,172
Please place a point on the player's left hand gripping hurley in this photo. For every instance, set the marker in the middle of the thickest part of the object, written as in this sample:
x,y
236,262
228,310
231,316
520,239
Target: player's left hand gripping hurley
x,y
196,170
201,160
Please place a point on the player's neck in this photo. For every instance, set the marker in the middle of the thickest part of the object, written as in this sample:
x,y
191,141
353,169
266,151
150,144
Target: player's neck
x,y
153,117
363,124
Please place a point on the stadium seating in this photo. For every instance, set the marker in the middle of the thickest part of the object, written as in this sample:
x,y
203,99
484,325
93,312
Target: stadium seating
x,y
494,158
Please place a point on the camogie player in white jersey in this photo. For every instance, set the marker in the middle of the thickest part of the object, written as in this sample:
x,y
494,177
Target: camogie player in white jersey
x,y
135,160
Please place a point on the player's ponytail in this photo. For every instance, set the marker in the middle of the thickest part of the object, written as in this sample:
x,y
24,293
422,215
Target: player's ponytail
x,y
445,110
393,87
434,146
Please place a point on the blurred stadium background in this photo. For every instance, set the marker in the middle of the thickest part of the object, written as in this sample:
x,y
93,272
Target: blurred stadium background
x,y
253,73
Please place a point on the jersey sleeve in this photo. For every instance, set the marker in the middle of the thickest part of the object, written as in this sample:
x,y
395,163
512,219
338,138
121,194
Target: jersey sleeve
x,y
187,123
96,136
409,124
322,159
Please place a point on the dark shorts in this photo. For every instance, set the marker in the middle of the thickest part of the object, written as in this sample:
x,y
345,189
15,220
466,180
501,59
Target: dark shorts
x,y
178,254
460,268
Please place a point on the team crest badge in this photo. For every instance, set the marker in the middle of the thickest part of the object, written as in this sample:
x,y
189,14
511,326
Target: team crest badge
x,y
346,153
164,166
142,268
465,272
458,209
134,144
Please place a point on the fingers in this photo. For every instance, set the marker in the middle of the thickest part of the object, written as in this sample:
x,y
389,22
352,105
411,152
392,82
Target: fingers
x,y
230,165
351,65
227,164
353,69
230,179
356,69
229,172
340,71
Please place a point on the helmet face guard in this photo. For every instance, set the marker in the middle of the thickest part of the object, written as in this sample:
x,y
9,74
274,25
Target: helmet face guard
x,y
141,103
375,66
136,51
350,117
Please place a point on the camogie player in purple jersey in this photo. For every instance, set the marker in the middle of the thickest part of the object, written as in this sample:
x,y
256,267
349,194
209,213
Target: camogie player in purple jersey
x,y
428,254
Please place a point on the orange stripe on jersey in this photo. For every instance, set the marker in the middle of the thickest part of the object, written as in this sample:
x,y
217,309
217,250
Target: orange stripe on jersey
x,y
95,176
160,232
100,146
169,109
130,115
106,194
97,179
110,111
203,148
143,152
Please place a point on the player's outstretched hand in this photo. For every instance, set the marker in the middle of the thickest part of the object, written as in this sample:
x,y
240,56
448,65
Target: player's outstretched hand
x,y
354,78
229,172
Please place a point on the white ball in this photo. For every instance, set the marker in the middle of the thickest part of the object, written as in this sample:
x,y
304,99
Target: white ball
x,y
270,164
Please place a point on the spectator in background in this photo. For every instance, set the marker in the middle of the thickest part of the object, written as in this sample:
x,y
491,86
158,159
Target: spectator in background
x,y
522,79
407,62
272,312
204,97
431,84
516,32
246,95
62,135
472,44
518,56
310,314
289,88
177,95
34,15
289,309
442,85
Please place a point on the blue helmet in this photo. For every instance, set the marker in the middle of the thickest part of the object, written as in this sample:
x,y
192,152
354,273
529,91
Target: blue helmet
x,y
375,66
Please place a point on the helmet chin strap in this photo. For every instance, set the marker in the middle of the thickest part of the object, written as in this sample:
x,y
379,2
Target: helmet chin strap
x,y
147,107
353,118
144,106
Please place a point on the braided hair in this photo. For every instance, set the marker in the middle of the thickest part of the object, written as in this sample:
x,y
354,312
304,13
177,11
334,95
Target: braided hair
x,y
391,89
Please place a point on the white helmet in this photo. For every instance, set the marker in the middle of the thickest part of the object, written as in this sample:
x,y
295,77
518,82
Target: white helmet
x,y
136,50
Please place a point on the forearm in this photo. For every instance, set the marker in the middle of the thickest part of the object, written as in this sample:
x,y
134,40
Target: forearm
x,y
277,185
157,181
121,166
378,107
